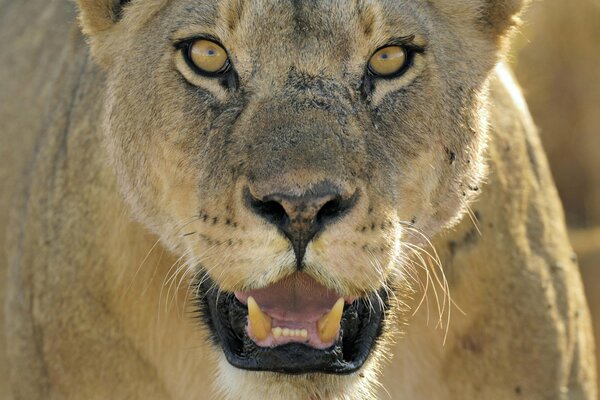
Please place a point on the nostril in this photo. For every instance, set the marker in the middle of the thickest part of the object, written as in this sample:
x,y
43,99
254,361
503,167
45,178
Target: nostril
x,y
270,210
330,210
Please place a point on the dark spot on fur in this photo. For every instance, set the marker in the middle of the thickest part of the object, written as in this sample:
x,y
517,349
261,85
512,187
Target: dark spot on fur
x,y
230,242
468,240
215,220
373,227
451,156
413,220
227,222
518,390
206,239
471,344
189,234
363,229
452,247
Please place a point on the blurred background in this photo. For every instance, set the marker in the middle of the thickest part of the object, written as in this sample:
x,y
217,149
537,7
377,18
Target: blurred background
x,y
556,58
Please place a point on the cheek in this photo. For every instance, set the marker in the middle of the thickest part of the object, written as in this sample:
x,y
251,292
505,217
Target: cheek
x,y
418,184
176,179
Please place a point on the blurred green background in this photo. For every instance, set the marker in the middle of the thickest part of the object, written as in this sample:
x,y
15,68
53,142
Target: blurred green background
x,y
556,58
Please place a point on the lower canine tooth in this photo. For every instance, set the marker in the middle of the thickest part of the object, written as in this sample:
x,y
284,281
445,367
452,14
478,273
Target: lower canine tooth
x,y
259,323
329,325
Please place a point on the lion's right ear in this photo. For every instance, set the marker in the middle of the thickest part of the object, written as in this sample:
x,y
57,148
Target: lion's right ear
x,y
97,19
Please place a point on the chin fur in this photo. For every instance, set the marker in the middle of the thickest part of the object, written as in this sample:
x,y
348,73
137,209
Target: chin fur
x,y
233,383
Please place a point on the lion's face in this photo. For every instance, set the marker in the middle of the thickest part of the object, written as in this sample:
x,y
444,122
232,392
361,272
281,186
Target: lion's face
x,y
297,175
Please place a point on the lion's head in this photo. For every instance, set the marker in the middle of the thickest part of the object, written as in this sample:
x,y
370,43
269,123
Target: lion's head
x,y
291,152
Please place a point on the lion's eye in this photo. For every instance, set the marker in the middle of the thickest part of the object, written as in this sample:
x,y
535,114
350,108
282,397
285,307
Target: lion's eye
x,y
388,61
208,57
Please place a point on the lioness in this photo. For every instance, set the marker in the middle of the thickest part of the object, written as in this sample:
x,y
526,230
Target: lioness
x,y
237,199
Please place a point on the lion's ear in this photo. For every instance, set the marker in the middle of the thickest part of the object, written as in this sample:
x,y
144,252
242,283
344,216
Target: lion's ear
x,y
499,16
97,19
98,16
493,17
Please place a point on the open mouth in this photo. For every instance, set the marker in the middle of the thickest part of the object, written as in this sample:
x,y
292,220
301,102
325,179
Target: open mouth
x,y
294,326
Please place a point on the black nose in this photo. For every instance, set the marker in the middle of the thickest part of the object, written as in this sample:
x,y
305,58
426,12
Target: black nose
x,y
301,217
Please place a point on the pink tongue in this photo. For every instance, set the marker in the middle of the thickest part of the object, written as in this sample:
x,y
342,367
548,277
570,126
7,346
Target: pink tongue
x,y
295,298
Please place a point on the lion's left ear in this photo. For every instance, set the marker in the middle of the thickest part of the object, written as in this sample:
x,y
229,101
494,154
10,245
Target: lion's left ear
x,y
499,16
97,19
492,17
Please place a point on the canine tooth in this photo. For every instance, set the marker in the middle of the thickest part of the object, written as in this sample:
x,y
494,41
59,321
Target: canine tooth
x,y
329,324
259,322
286,332
277,332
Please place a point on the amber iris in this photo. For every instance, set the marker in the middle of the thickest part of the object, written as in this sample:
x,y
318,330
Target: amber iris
x,y
388,61
208,56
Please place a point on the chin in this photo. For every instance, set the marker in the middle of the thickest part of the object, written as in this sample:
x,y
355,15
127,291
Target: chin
x,y
235,383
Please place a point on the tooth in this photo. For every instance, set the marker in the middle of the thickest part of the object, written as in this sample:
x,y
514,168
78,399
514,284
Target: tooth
x,y
304,333
277,332
259,322
329,325
285,332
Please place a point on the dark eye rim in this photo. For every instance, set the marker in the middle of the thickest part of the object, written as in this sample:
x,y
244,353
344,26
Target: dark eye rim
x,y
185,47
410,50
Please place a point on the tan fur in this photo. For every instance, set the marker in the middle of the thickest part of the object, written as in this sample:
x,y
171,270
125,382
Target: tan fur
x,y
132,185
